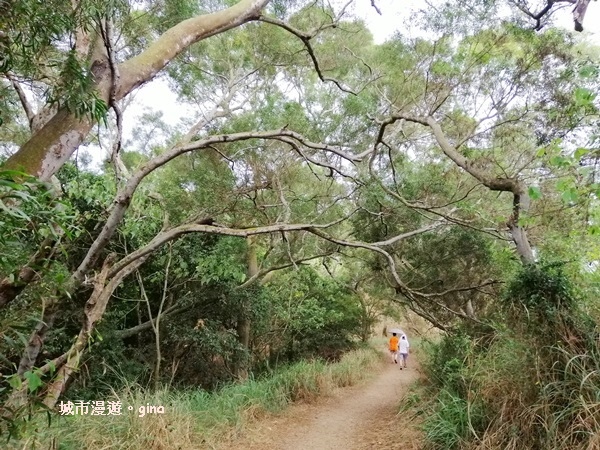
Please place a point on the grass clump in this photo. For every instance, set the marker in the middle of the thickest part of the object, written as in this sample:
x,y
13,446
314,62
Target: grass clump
x,y
198,419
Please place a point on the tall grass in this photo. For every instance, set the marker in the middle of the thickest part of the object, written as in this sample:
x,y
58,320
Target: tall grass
x,y
198,419
505,395
530,383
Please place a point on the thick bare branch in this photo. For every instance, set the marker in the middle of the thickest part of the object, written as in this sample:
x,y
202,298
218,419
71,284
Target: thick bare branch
x,y
512,185
54,143
150,324
146,65
94,310
174,233
408,234
106,31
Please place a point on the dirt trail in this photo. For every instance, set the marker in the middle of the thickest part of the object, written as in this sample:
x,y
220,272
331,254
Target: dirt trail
x,y
356,418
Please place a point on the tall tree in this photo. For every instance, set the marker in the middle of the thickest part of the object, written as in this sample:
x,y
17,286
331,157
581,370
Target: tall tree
x,y
58,132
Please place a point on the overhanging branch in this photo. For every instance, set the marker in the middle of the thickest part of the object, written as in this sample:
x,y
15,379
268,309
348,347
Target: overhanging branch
x,y
174,233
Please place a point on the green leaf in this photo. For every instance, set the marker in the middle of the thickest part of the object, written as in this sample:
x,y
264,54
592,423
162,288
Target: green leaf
x,y
559,161
535,193
525,221
584,96
52,366
15,382
33,380
10,341
594,230
580,152
11,184
14,174
570,195
588,71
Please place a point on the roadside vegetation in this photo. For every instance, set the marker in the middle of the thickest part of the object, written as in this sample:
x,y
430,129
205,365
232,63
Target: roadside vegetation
x,y
195,419
530,380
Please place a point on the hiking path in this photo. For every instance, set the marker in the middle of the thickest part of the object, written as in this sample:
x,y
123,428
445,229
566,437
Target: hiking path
x,y
360,417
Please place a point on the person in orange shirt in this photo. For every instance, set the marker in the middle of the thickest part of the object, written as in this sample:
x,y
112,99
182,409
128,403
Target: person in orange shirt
x,y
394,347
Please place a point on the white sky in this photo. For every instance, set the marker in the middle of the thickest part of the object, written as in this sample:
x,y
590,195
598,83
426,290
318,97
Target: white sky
x,y
395,16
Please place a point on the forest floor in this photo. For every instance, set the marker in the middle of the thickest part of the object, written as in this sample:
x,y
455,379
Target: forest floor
x,y
360,417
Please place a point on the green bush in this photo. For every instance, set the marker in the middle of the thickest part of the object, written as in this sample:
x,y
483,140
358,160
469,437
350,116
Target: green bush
x,y
453,421
445,361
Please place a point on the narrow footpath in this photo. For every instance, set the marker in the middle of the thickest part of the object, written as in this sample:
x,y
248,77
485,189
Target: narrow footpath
x,y
356,418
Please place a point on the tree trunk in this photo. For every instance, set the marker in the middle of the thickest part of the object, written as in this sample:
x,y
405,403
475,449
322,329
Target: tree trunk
x,y
51,146
157,327
34,345
365,319
517,232
579,13
94,310
244,325
36,340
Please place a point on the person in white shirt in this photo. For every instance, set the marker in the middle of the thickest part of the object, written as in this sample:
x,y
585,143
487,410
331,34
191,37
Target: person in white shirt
x,y
403,347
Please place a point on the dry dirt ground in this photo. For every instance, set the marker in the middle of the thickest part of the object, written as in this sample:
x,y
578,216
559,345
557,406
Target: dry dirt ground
x,y
355,418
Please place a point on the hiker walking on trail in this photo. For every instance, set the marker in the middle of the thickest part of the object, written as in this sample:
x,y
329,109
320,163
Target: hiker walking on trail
x,y
404,346
394,347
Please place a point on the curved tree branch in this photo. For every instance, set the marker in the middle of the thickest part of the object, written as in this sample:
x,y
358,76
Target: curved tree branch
x,y
174,233
512,185
23,99
306,37
54,143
